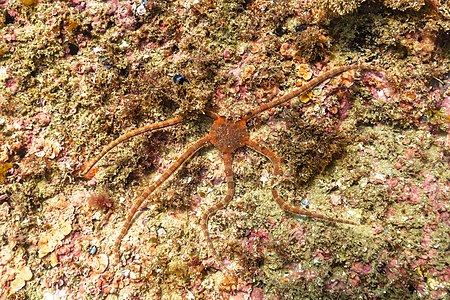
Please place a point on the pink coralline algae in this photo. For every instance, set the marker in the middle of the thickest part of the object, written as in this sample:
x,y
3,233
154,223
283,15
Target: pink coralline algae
x,y
361,268
256,241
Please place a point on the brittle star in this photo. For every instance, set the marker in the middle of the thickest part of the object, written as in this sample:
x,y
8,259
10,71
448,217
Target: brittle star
x,y
227,136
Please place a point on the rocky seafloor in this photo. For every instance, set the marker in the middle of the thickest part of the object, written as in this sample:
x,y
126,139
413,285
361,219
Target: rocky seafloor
x,y
369,146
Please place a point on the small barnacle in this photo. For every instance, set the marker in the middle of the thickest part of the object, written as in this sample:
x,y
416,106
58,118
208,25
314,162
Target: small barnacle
x,y
100,263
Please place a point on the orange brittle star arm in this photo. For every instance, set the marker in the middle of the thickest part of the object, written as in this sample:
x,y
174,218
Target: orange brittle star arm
x,y
194,148
306,87
147,128
228,162
286,206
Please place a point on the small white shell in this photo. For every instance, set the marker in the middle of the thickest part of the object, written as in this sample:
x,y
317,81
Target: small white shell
x,y
100,263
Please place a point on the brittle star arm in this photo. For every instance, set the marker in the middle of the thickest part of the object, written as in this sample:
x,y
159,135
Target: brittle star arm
x,y
228,162
211,114
150,127
304,88
286,206
164,176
